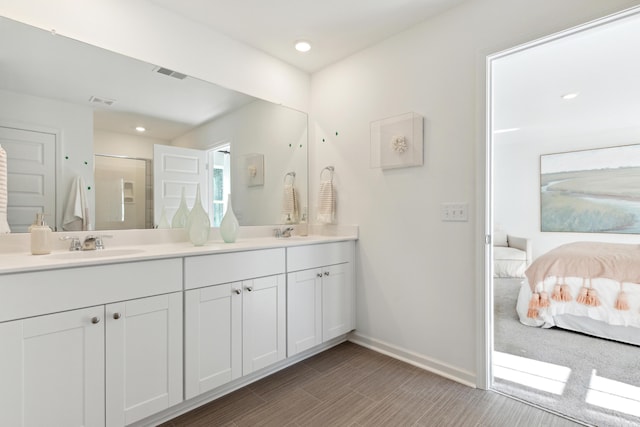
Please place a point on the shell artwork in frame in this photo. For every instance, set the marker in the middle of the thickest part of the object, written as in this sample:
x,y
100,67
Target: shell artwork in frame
x,y
397,142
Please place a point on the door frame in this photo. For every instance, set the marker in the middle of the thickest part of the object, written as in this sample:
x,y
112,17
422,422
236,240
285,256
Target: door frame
x,y
484,379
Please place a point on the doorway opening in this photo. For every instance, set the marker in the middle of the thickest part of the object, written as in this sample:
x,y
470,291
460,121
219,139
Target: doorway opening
x,y
530,115
219,160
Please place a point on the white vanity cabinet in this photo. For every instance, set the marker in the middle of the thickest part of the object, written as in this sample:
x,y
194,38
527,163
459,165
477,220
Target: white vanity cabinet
x,y
320,294
143,357
52,370
235,319
108,364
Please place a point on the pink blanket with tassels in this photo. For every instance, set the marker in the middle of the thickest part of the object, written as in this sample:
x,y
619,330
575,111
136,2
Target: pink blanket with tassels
x,y
590,260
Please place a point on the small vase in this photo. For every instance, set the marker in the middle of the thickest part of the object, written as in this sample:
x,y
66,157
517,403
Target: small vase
x,y
229,225
164,222
180,217
198,225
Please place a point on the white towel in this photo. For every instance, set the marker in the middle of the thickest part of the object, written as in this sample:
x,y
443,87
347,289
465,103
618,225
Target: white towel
x,y
326,203
4,224
76,213
289,204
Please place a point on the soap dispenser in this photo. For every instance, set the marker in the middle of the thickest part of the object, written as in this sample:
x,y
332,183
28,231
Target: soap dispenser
x,y
40,236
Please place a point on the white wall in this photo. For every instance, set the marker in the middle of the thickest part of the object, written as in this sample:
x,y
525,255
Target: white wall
x,y
75,150
120,144
517,183
278,133
417,276
142,30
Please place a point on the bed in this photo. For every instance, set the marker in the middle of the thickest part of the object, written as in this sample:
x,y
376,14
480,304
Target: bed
x,y
588,287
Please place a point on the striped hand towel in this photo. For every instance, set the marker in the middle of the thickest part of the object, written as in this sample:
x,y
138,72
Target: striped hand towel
x,y
289,205
4,225
326,203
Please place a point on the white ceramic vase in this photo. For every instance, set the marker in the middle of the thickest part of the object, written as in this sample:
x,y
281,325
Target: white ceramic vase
x,y
229,225
180,217
198,225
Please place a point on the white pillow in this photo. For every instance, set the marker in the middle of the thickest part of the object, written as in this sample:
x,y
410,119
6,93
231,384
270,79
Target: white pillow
x,y
500,238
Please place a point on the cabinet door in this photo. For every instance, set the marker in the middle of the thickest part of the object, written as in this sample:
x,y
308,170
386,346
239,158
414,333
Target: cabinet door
x,y
263,322
304,310
143,357
52,370
213,337
337,294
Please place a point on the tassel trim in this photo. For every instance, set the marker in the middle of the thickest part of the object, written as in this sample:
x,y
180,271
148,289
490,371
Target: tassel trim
x,y
544,299
622,303
583,296
592,298
534,304
565,293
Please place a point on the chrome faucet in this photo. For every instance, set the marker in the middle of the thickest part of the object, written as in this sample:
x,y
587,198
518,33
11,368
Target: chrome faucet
x,y
285,232
90,243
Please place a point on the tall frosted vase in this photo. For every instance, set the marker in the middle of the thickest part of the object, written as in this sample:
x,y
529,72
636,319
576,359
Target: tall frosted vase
x,y
179,219
198,225
229,225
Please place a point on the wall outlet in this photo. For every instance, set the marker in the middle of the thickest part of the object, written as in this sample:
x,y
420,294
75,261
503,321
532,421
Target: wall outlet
x,y
454,211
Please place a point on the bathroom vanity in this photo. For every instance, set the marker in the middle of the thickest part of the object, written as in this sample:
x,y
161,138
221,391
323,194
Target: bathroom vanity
x,y
139,333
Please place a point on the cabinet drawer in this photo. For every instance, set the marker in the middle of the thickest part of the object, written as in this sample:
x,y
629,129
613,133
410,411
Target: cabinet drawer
x,y
216,269
42,292
314,256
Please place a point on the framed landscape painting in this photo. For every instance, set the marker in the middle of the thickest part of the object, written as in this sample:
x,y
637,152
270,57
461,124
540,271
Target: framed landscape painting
x,y
591,191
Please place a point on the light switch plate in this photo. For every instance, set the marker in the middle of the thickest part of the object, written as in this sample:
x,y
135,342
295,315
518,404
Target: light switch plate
x,y
454,211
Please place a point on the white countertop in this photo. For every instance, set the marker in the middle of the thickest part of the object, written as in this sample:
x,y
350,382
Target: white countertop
x,y
117,252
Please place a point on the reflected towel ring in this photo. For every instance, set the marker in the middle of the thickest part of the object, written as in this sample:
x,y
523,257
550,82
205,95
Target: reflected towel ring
x,y
292,175
327,168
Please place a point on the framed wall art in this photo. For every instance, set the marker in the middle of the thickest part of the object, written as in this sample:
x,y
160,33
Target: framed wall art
x,y
591,191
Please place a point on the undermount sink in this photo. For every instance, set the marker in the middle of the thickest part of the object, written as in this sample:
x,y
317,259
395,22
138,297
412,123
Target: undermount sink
x,y
102,253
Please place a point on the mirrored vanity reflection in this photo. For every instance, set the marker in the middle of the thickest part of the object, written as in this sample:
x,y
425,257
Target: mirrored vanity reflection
x,y
68,118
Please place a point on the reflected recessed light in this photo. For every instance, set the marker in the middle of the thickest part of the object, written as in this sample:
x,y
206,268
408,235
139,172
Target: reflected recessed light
x,y
495,132
141,128
303,46
571,95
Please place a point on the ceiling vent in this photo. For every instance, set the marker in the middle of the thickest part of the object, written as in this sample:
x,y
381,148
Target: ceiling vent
x,y
170,73
102,101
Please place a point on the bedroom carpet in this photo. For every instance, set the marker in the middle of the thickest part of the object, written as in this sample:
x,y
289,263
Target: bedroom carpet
x,y
596,371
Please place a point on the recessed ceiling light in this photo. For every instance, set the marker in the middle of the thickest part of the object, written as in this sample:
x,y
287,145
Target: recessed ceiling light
x,y
571,95
303,46
141,128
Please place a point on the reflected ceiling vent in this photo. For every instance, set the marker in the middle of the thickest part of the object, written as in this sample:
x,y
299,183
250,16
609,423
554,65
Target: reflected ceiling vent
x,y
102,101
170,73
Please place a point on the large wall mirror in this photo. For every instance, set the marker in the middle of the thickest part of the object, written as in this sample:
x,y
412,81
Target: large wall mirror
x,y
68,118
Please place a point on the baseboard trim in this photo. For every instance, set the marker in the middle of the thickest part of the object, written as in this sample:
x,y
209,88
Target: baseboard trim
x,y
415,359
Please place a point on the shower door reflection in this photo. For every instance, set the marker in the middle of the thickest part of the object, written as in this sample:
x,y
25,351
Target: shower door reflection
x,y
123,193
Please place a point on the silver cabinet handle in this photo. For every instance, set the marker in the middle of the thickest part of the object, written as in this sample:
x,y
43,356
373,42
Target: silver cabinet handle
x,y
237,291
319,275
249,288
116,316
95,320
326,273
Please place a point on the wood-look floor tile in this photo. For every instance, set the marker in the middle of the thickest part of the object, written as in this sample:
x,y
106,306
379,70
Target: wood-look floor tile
x,y
323,386
351,386
273,386
401,408
221,411
342,409
280,412
382,382
333,358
